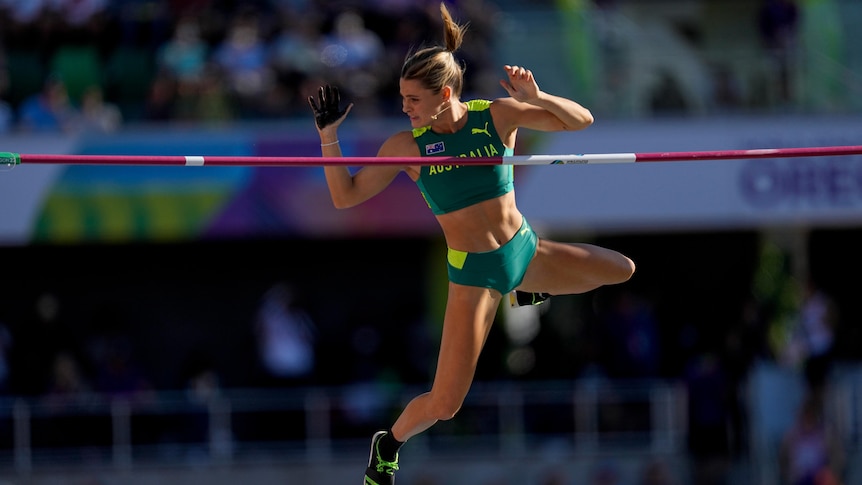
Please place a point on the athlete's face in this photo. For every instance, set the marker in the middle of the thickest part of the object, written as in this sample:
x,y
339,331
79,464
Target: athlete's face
x,y
419,103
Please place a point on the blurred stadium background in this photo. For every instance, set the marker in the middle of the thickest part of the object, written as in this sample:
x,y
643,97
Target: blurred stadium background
x,y
214,325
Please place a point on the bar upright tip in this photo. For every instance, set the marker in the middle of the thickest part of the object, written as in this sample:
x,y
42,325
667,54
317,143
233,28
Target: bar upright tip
x,y
10,159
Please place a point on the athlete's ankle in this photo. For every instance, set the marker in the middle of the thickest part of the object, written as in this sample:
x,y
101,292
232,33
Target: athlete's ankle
x,y
525,298
388,446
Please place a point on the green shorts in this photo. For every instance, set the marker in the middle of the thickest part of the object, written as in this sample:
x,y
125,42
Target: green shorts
x,y
501,269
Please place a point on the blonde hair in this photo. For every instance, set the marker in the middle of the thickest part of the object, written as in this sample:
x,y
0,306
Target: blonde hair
x,y
436,67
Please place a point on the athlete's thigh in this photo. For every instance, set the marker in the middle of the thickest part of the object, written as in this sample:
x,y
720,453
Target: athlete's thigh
x,y
568,268
470,312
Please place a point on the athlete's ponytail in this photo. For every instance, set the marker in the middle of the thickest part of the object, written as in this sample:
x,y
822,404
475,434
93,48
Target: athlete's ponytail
x,y
453,33
436,67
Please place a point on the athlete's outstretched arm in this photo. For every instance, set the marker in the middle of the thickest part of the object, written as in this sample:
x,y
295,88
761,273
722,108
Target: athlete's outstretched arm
x,y
345,188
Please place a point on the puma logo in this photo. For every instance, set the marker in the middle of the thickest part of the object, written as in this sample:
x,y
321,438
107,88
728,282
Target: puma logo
x,y
477,131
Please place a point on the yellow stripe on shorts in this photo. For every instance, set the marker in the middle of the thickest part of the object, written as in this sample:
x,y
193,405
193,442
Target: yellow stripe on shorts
x,y
456,258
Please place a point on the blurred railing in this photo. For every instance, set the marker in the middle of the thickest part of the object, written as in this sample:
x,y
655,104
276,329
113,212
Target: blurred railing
x,y
328,428
311,425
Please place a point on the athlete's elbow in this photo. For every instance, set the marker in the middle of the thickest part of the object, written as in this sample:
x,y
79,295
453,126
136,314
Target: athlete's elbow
x,y
580,122
345,201
584,120
341,203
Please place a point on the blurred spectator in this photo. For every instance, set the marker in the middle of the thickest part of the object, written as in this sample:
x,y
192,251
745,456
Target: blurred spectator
x,y
286,337
778,23
207,100
179,8
68,392
295,50
68,384
553,476
214,103
813,336
267,63
354,55
242,58
143,23
6,113
606,473
667,97
631,339
351,45
202,380
49,110
5,364
294,54
37,337
708,419
185,54
810,453
727,91
160,104
25,11
746,342
7,117
203,390
111,353
98,115
655,472
78,12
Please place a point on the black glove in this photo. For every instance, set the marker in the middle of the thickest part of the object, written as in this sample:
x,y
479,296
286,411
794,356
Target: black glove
x,y
326,108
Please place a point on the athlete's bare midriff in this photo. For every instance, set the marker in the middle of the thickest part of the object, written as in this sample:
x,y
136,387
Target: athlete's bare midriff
x,y
482,227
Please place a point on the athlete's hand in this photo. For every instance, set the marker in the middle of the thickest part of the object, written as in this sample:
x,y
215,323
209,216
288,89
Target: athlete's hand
x,y
520,84
327,108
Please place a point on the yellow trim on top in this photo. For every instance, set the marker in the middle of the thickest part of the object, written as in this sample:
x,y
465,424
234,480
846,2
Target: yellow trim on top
x,y
478,104
472,105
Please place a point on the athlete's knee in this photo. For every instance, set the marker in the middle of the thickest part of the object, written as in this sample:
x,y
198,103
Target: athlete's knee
x,y
622,269
445,414
445,408
627,269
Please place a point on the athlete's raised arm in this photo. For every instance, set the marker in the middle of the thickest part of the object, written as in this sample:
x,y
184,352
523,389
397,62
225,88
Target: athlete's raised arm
x,y
346,189
529,107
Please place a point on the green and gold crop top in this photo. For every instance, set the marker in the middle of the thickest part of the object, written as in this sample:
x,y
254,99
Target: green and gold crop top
x,y
447,188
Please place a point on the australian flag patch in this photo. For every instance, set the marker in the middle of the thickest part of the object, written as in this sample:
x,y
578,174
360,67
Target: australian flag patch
x,y
432,148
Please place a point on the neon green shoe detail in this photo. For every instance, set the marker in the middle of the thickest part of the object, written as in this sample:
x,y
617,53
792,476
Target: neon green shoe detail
x,y
380,471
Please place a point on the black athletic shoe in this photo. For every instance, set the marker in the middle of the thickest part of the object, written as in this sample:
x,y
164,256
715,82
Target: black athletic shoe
x,y
379,471
523,298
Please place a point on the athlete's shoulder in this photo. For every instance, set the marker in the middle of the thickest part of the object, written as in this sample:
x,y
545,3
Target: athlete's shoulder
x,y
400,144
508,108
507,101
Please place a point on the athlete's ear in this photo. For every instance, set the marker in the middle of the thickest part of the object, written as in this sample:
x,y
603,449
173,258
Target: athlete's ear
x,y
447,93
